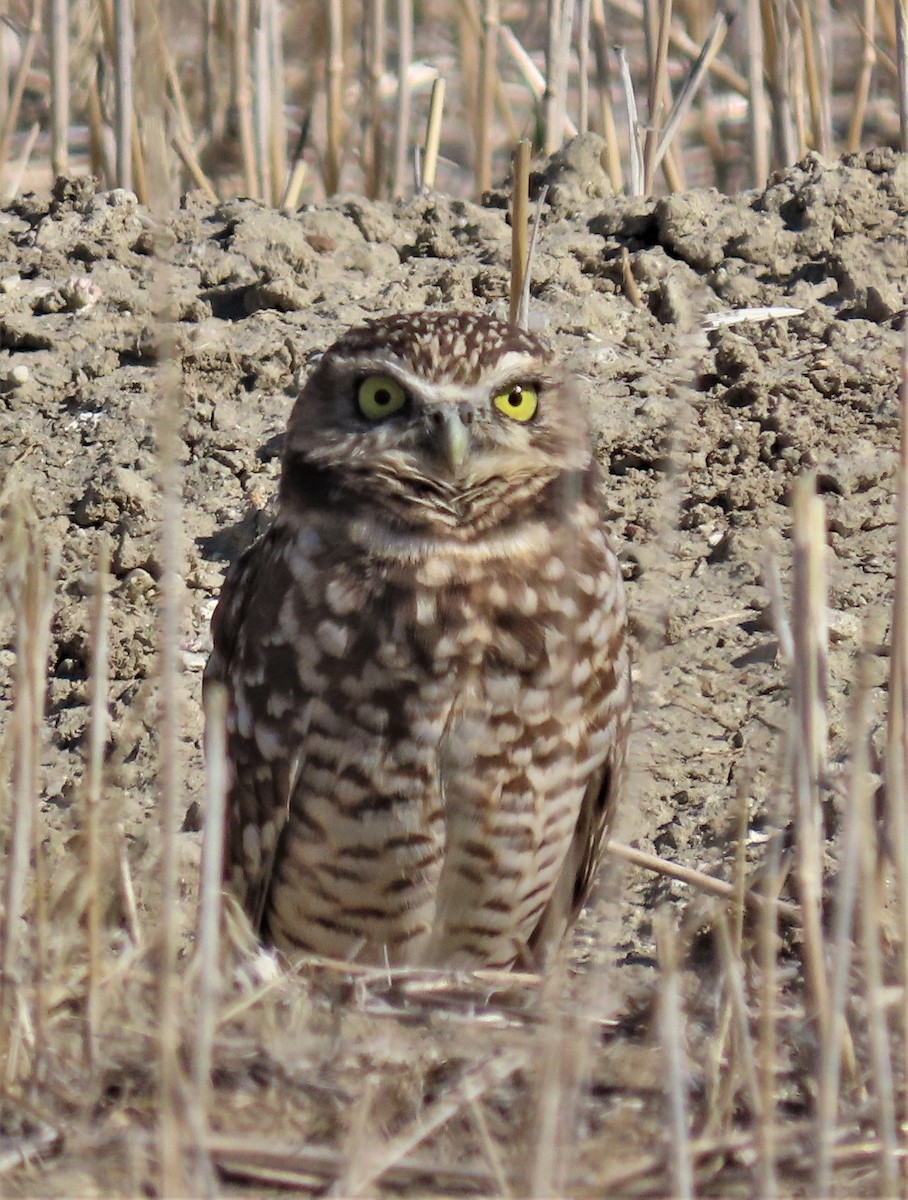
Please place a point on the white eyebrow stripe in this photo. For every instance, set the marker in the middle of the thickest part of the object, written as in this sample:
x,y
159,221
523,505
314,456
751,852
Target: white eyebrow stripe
x,y
508,368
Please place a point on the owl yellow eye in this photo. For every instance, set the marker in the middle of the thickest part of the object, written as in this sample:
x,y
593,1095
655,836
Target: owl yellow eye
x,y
518,402
378,396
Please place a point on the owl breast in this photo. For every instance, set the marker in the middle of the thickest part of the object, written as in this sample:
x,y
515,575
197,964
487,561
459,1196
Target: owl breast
x,y
449,715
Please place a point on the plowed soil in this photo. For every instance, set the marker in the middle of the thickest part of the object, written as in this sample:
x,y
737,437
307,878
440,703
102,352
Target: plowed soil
x,y
703,427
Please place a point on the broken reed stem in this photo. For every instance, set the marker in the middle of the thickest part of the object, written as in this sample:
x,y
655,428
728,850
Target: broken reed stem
x,y
857,826
15,180
758,106
583,68
188,158
15,100
402,121
30,578
901,56
97,740
711,46
523,307
59,86
277,144
872,976
658,87
242,91
808,691
335,78
768,1000
291,197
812,78
730,957
261,108
697,879
862,87
215,703
474,1083
124,55
780,88
671,1037
433,134
557,54
604,88
550,107
373,141
635,182
168,426
491,21
896,774
520,201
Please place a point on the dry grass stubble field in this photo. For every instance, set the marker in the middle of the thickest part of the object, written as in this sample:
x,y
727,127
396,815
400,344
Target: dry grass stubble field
x,y
427,1081
694,1038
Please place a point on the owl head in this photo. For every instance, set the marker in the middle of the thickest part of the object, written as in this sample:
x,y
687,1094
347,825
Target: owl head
x,y
446,420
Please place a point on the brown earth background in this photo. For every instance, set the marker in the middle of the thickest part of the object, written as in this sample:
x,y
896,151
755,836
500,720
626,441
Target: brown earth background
x,y
703,428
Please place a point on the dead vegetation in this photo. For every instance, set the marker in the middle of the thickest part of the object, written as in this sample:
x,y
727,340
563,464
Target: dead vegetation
x,y
138,1055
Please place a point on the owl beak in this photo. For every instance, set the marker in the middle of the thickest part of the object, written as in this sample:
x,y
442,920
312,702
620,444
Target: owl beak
x,y
453,435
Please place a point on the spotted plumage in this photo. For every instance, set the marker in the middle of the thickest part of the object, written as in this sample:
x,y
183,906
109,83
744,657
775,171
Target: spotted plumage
x,y
425,657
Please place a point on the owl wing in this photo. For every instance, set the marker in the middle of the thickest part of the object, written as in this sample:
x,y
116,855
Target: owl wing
x,y
253,657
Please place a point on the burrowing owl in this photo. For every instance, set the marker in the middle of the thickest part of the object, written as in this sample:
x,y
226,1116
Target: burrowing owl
x,y
425,656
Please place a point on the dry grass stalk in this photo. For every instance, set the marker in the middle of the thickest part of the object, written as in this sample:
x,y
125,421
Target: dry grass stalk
x,y
882,1086
812,71
671,1037
684,44
433,135
767,1028
21,166
373,132
583,67
474,1083
520,200
262,92
7,129
206,960
29,580
402,121
689,89
758,105
778,62
97,740
532,76
242,91
170,619
603,87
335,79
856,829
277,133
523,307
658,87
635,184
862,87
491,21
188,158
124,56
896,776
901,57
557,56
808,690
697,879
59,75
733,976
292,192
